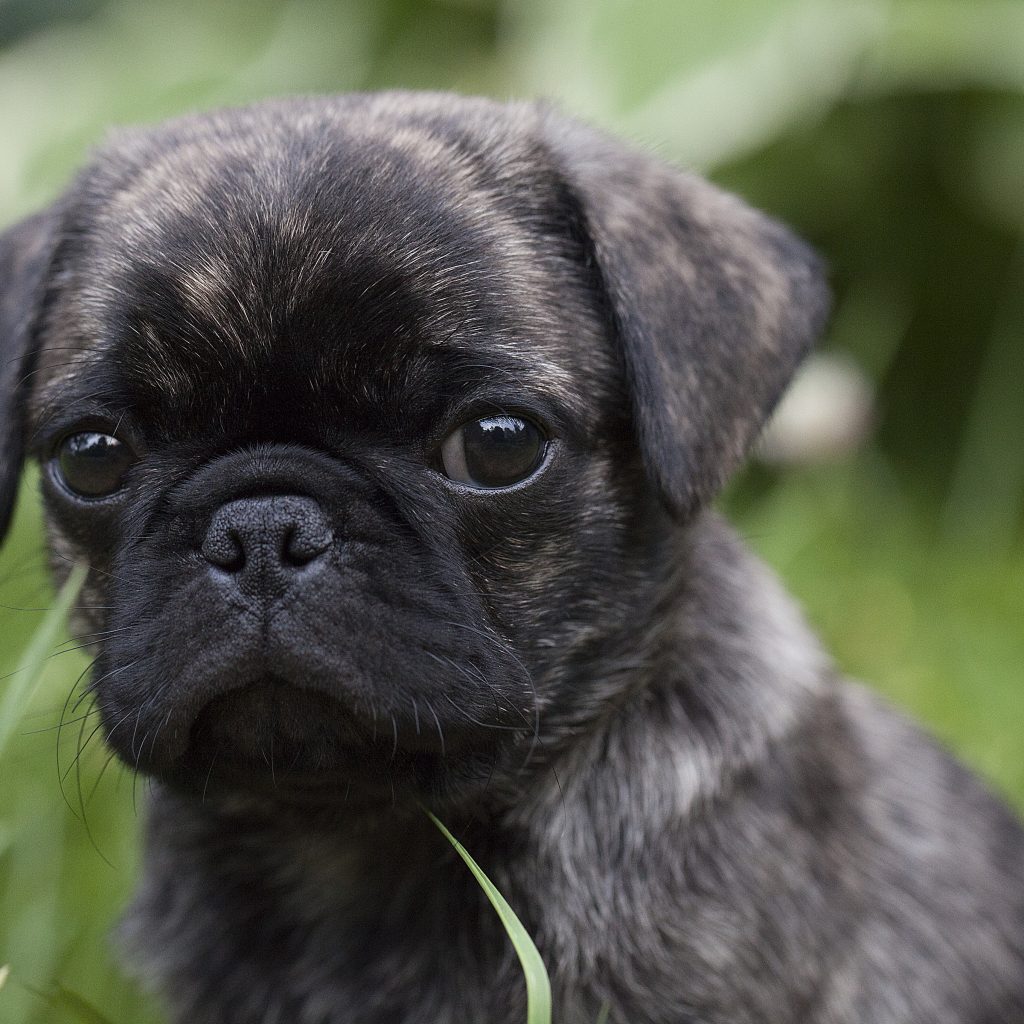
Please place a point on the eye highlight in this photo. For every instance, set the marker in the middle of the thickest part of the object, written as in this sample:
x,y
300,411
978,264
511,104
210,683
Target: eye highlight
x,y
91,464
493,452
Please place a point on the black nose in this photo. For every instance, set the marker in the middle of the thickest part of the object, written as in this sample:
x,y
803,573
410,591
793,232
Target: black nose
x,y
263,541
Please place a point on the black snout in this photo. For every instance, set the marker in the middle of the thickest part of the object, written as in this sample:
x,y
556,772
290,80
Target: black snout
x,y
263,542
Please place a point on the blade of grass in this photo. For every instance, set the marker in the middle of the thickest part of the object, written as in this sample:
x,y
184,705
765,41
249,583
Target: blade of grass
x,y
538,988
5,973
22,684
71,1004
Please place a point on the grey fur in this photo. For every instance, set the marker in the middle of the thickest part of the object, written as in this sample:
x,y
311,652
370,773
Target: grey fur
x,y
602,693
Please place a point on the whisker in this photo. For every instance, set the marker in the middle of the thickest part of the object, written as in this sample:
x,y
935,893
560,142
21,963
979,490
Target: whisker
x,y
440,731
209,772
91,568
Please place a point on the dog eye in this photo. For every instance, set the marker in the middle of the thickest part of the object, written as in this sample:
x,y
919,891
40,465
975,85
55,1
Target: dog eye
x,y
92,465
496,451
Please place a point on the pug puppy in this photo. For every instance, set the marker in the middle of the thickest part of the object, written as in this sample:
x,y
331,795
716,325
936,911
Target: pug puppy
x,y
388,427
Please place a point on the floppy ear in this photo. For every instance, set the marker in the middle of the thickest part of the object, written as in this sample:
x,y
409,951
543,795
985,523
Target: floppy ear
x,y
26,253
714,306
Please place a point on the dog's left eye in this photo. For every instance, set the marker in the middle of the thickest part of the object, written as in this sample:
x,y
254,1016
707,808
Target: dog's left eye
x,y
93,465
495,451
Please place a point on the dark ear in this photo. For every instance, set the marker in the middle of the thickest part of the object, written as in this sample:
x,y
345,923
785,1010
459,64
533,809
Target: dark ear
x,y
713,303
26,253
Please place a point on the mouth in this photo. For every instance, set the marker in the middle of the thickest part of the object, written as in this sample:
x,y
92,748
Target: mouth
x,y
274,727
283,740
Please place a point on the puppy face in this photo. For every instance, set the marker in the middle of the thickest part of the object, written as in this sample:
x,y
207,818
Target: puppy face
x,y
373,418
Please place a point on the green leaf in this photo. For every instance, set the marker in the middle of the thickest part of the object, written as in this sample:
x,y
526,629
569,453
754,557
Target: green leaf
x,y
538,988
24,681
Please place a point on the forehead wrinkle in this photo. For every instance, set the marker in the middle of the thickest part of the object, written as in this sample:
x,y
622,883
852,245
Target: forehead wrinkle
x,y
480,204
222,188
286,164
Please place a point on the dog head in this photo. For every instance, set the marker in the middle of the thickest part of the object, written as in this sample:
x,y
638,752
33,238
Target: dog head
x,y
373,418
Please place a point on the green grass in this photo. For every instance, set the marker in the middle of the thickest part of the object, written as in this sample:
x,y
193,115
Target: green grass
x,y
67,844
930,619
538,988
24,681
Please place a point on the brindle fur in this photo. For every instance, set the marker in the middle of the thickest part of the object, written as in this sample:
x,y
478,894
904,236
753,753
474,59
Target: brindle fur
x,y
587,676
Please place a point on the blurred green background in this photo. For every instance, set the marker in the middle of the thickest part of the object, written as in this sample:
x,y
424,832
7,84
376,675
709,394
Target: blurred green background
x,y
891,134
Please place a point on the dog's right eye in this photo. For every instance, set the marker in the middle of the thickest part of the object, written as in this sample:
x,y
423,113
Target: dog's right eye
x,y
93,465
493,452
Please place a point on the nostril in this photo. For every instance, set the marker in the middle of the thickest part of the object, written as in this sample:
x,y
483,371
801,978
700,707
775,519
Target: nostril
x,y
223,548
305,541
